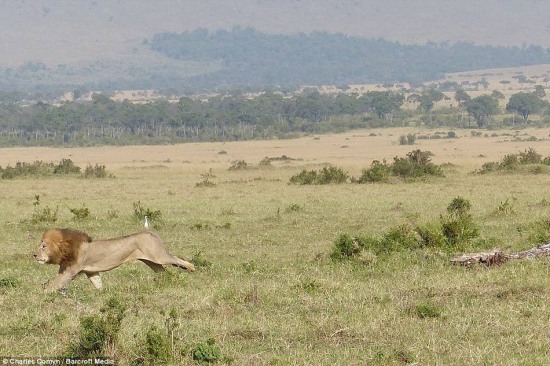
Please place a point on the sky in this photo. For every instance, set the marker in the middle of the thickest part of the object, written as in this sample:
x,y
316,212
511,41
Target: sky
x,y
79,31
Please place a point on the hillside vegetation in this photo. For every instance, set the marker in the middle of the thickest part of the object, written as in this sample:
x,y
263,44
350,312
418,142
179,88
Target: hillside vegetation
x,y
250,59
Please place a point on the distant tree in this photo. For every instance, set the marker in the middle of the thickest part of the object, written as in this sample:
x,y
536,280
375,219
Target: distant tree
x,y
462,97
428,99
384,104
497,95
482,108
504,82
539,91
525,104
520,78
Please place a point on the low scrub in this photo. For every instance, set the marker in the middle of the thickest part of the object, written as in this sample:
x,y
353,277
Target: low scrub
x,y
528,160
99,333
207,352
454,230
328,175
416,164
40,168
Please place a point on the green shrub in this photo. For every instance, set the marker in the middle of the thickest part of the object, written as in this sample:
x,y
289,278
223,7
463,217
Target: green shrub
x,y
81,213
96,171
331,174
512,162
99,333
207,352
378,172
66,166
416,164
199,261
304,177
530,156
458,226
427,311
9,281
431,236
46,215
140,212
346,247
21,169
396,239
328,175
157,346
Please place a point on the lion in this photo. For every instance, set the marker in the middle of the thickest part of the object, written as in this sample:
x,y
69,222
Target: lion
x,y
75,252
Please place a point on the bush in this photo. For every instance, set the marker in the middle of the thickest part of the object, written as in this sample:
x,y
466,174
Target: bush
x,y
97,171
378,172
140,212
416,164
328,175
99,333
157,346
458,226
22,169
47,215
530,156
66,166
346,247
9,281
207,352
397,238
80,213
407,140
512,162
431,236
304,177
238,165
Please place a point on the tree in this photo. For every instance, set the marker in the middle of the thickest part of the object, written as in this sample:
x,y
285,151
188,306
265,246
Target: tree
x,y
539,91
384,104
428,99
462,98
482,108
525,104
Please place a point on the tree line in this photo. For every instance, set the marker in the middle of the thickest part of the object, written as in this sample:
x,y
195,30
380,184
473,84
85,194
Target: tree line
x,y
237,117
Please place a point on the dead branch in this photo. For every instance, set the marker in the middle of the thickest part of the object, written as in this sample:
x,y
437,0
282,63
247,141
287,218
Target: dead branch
x,y
497,256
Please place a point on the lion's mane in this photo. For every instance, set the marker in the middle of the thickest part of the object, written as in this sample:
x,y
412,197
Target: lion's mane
x,y
64,245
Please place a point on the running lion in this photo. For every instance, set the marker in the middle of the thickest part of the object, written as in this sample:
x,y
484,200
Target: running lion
x,y
75,252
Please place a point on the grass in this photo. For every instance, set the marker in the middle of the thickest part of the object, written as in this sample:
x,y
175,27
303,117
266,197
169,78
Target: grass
x,y
270,293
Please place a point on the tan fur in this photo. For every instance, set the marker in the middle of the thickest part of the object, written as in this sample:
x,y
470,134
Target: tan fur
x,y
75,252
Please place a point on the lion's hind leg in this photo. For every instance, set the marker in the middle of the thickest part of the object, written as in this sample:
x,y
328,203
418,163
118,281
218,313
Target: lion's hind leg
x,y
95,280
154,266
183,264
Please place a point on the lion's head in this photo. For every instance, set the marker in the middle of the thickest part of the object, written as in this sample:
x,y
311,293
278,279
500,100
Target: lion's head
x,y
60,246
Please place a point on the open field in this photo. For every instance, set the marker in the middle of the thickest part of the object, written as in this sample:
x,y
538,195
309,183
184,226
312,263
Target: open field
x,y
272,295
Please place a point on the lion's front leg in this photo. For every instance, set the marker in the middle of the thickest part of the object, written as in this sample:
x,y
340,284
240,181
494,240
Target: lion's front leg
x,y
61,281
95,280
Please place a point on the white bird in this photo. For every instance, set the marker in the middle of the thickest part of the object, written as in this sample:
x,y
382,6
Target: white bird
x,y
147,224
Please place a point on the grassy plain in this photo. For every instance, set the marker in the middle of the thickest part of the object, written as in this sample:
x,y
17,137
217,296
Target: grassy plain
x,y
272,296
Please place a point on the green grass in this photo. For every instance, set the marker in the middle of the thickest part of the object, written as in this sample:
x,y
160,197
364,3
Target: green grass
x,y
271,293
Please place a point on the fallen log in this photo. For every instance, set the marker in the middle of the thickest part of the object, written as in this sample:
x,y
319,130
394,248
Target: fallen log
x,y
497,256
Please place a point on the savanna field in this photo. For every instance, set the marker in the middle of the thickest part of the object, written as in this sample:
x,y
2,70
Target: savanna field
x,y
267,290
